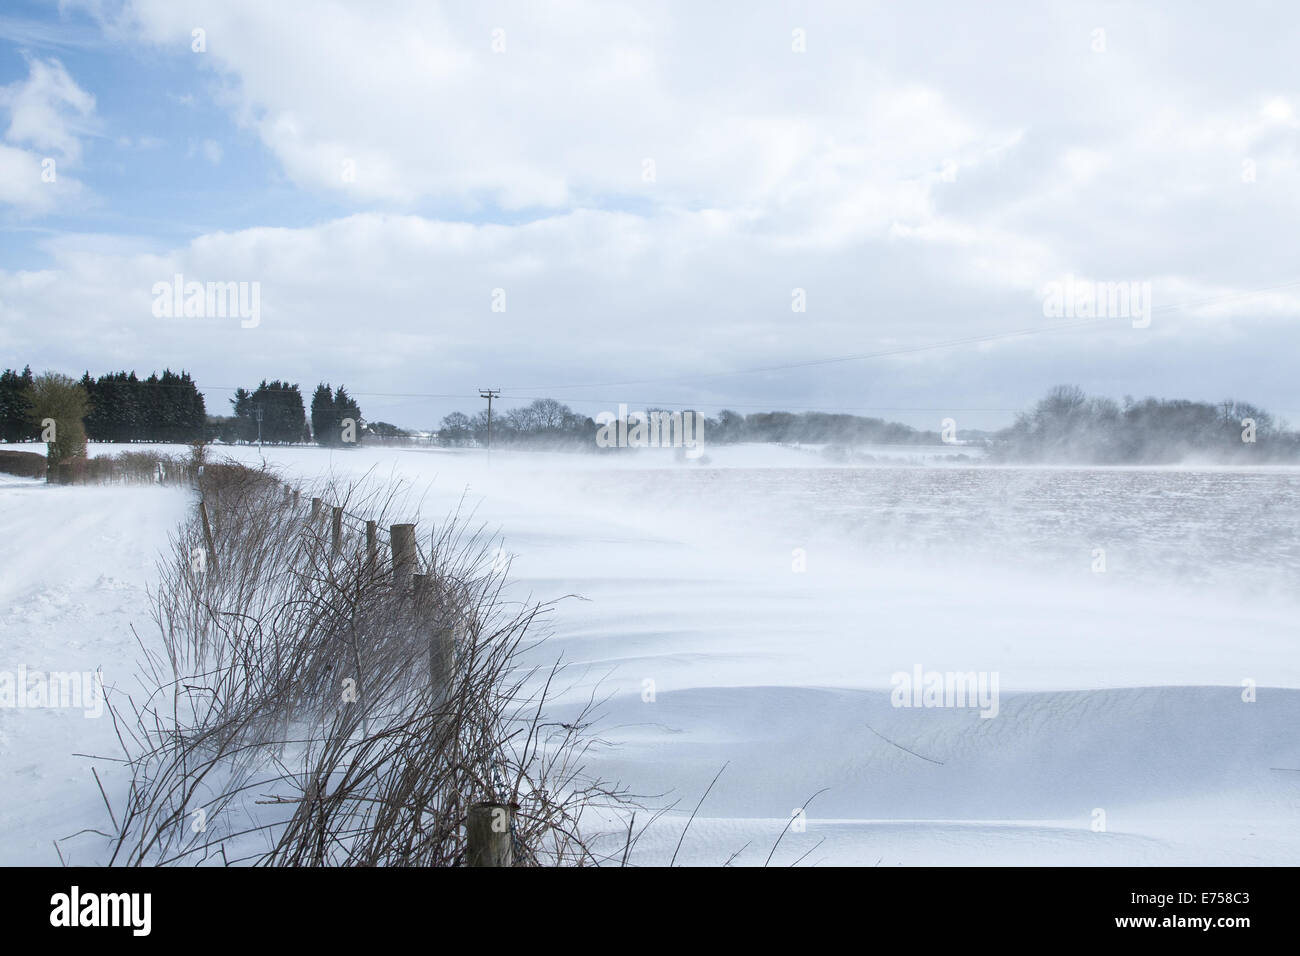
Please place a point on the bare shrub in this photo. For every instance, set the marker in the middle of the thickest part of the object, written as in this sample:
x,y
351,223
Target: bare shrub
x,y
127,467
298,712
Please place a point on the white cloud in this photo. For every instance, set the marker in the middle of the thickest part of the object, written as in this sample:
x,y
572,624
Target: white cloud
x,y
403,304
48,110
583,95
921,174
1279,110
49,114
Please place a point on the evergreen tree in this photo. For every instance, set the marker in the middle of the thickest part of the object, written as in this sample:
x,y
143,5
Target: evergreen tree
x,y
284,418
124,408
16,404
345,407
245,427
328,411
322,415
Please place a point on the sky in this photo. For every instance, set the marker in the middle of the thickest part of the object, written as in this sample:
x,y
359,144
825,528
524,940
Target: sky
x,y
847,207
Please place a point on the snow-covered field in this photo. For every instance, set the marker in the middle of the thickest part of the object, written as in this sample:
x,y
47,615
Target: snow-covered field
x,y
754,613
74,565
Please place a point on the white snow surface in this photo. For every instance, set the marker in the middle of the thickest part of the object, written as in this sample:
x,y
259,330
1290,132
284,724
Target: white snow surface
x,y
1121,737
74,566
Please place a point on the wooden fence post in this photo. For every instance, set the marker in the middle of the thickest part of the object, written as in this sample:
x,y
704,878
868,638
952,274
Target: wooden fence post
x,y
207,536
372,545
489,836
402,537
336,530
315,508
442,636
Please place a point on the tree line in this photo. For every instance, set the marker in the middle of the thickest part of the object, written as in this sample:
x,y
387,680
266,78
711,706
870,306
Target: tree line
x,y
545,421
1065,426
117,406
550,422
168,407
160,408
336,418
1070,426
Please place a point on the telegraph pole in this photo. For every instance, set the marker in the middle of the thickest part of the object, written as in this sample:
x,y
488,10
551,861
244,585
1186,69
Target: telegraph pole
x,y
259,427
489,394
